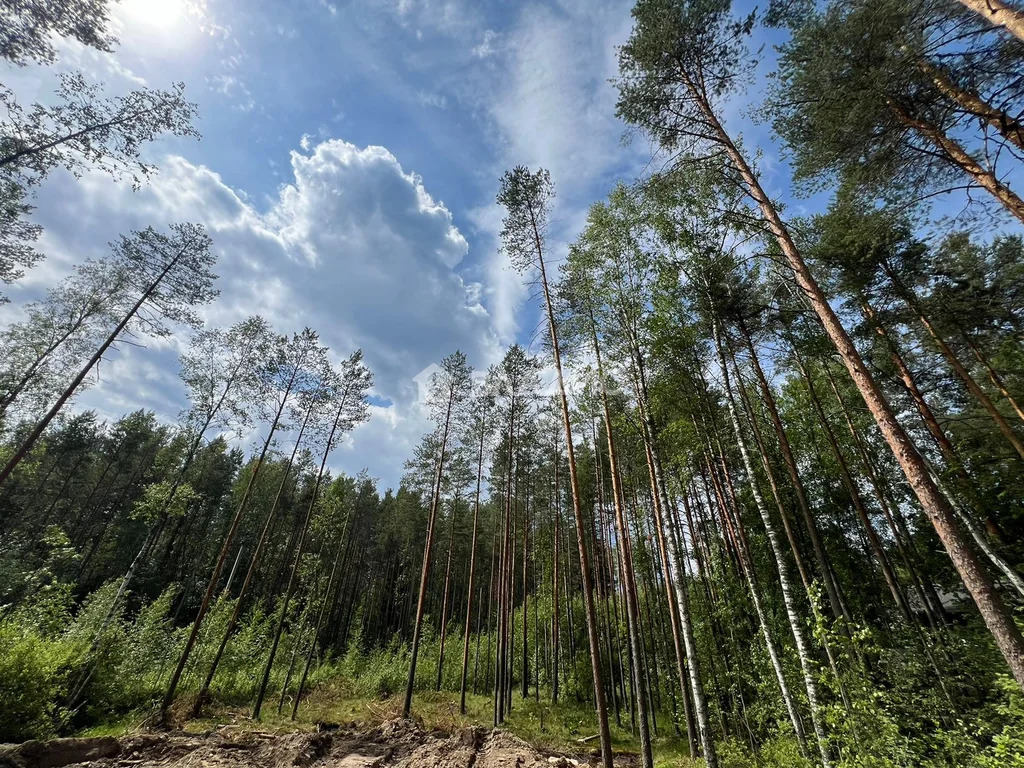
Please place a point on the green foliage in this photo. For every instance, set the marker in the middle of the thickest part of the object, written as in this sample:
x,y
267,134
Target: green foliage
x,y
164,498
34,667
1007,750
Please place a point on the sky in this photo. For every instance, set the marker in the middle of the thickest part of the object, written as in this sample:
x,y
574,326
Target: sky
x,y
349,160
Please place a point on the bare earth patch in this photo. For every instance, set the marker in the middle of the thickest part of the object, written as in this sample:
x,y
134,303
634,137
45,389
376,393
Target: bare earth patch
x,y
396,743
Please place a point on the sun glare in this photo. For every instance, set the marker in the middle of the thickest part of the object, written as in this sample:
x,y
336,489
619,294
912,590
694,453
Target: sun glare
x,y
172,24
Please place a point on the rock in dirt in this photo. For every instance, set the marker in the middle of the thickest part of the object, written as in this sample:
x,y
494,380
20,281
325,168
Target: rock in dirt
x,y
58,752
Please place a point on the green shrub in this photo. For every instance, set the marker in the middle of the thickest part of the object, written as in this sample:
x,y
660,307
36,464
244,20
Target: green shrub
x,y
33,681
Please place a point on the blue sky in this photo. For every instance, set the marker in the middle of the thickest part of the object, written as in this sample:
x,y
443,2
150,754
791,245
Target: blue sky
x,y
347,169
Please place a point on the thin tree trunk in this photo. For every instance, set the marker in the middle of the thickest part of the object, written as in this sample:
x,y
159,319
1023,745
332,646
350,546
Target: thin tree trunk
x,y
731,514
211,586
961,371
316,627
444,602
424,575
858,503
588,596
472,571
817,545
250,572
799,639
42,424
501,622
672,550
554,582
526,571
629,579
603,574
299,547
994,376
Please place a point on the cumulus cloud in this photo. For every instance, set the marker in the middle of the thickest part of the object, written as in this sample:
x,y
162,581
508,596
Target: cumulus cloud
x,y
354,247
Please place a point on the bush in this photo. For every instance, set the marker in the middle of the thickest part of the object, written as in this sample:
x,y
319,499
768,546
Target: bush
x,y
34,669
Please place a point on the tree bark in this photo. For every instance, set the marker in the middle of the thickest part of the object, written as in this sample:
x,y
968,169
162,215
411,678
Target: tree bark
x,y
1006,125
962,159
444,602
675,553
250,572
211,586
472,568
299,549
425,573
588,596
555,644
999,14
629,578
817,545
799,639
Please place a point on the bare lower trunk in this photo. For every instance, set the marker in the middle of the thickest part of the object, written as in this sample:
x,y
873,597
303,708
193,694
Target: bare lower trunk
x,y
747,568
588,591
629,577
425,572
472,573
818,546
299,549
316,627
444,603
554,583
218,568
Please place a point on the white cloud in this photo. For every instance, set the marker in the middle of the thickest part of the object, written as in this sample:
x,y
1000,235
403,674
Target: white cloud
x,y
431,99
354,247
550,103
486,47
455,18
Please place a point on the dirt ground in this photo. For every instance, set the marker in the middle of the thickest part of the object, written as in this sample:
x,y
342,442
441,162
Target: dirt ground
x,y
394,744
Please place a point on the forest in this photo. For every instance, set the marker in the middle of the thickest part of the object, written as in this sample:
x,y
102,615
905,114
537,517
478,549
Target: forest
x,y
754,495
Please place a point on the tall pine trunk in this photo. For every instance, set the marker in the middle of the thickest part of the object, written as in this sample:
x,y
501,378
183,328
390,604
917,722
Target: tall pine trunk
x,y
253,564
425,573
472,568
979,584
628,574
299,549
229,537
795,625
577,508
673,551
